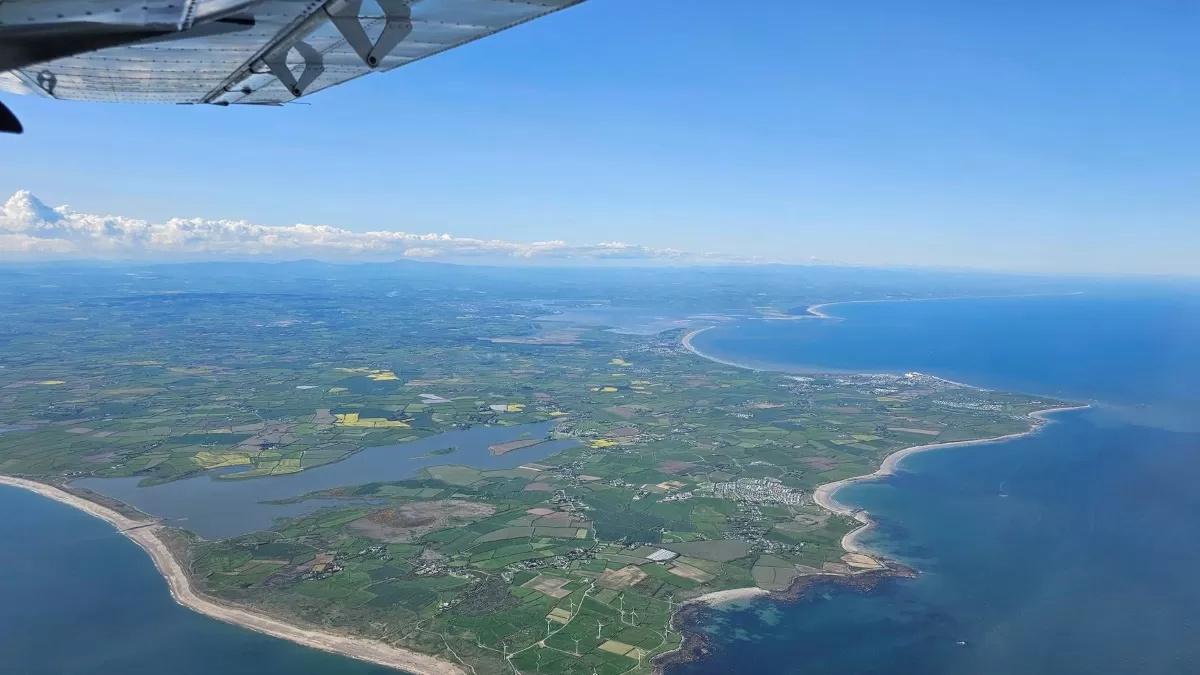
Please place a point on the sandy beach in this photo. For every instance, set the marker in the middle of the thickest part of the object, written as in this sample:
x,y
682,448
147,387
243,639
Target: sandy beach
x,y
686,341
814,313
824,494
815,310
145,533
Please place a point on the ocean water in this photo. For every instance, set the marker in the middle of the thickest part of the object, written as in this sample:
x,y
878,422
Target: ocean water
x,y
1140,353
1068,552
1084,567
77,598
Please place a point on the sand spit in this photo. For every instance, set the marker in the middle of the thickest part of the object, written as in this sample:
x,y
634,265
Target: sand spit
x,y
145,533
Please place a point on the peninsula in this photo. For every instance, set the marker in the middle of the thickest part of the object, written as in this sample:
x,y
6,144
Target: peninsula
x,y
600,480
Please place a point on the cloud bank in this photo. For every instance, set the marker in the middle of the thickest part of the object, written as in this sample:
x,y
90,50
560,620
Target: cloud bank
x,y
31,229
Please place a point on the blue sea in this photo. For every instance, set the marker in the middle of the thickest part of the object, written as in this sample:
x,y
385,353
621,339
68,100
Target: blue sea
x,y
78,598
1070,552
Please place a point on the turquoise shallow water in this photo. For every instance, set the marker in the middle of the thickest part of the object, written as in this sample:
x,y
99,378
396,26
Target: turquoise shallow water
x,y
1073,551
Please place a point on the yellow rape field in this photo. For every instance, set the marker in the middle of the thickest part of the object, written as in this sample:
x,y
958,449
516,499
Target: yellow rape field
x,y
353,420
620,362
50,382
602,443
373,373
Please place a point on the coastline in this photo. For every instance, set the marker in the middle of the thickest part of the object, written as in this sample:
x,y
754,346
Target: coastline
x,y
686,341
815,312
148,533
694,645
145,533
823,495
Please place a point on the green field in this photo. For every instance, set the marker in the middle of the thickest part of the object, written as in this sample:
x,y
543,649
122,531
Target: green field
x,y
173,374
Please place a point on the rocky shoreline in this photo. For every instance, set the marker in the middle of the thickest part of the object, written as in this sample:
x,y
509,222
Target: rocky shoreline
x,y
691,615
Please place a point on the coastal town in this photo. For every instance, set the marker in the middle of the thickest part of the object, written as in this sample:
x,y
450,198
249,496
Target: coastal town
x,y
486,489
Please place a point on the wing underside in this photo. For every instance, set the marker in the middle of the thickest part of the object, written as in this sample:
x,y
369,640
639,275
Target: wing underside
x,y
229,52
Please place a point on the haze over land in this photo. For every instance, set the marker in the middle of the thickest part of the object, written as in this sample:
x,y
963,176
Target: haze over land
x,y
462,462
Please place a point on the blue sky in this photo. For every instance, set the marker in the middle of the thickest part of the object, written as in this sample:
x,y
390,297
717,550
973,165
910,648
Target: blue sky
x,y
1058,136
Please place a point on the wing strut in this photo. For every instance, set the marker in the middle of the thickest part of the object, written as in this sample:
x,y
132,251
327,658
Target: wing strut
x,y
344,15
314,65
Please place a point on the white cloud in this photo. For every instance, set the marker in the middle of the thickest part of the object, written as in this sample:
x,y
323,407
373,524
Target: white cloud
x,y
29,228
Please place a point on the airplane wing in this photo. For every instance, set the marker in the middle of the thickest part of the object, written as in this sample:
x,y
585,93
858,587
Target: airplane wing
x,y
231,52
